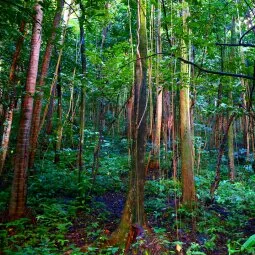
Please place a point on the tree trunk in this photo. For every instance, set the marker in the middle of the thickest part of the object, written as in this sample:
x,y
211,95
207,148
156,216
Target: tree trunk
x,y
150,68
159,105
82,107
55,78
50,111
231,163
216,182
134,208
187,160
38,99
174,136
59,132
231,129
17,205
218,127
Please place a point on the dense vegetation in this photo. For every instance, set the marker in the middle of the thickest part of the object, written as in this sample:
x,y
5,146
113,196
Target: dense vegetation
x,y
127,127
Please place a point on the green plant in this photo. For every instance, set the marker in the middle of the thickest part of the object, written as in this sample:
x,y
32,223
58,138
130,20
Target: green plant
x,y
194,249
249,245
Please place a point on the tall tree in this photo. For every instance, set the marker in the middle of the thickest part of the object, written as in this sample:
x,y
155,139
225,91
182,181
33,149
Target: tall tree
x,y
17,205
59,127
44,71
231,128
134,208
159,104
83,71
187,160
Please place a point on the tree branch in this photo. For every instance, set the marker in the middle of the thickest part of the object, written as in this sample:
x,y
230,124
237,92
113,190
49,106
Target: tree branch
x,y
247,32
166,27
202,69
236,44
216,72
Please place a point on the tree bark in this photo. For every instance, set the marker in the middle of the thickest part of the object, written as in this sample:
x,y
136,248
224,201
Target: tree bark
x,y
83,71
59,131
50,111
134,208
44,71
187,160
150,71
55,78
231,129
17,205
159,104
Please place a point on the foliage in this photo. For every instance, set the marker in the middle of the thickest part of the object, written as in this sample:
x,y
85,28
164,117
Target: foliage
x,y
69,208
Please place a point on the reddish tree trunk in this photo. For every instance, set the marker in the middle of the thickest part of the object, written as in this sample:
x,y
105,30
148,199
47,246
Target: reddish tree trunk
x,y
17,205
38,99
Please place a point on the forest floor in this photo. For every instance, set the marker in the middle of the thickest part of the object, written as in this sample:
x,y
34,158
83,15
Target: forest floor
x,y
65,219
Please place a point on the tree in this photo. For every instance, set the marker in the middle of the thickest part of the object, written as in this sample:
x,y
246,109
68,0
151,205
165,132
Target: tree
x,y
187,160
17,205
159,104
83,71
231,128
134,207
38,99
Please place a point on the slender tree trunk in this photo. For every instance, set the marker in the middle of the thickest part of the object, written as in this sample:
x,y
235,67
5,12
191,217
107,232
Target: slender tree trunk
x,y
246,121
231,129
193,92
82,107
219,119
129,116
38,99
50,111
174,139
231,151
174,128
167,121
216,182
59,131
9,111
218,127
187,160
17,205
55,78
130,103
159,105
150,68
134,207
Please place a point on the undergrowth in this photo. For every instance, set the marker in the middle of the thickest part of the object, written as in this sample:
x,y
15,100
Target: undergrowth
x,y
67,214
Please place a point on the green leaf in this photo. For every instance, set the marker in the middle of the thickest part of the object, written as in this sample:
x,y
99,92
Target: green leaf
x,y
250,243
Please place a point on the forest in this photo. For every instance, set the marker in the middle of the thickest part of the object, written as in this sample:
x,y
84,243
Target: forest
x,y
127,127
